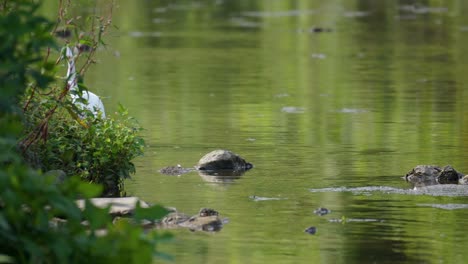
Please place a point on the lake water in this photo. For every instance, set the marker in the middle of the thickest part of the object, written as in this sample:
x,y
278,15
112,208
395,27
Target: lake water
x,y
380,89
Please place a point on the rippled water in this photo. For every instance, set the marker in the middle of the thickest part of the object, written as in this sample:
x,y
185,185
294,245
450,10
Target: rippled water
x,y
332,102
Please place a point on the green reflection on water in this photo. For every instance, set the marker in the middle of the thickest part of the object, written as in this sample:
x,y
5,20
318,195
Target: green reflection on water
x,y
360,105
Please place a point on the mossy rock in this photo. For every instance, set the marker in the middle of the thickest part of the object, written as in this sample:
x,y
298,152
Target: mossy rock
x,y
223,160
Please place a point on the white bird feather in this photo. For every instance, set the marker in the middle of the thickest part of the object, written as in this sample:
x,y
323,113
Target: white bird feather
x,y
93,102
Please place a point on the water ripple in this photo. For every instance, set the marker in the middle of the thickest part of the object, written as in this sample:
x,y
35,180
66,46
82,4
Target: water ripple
x,y
447,206
434,190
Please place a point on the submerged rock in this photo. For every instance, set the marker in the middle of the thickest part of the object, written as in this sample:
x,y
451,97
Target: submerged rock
x,y
449,175
219,166
311,230
322,211
223,160
175,170
423,175
207,219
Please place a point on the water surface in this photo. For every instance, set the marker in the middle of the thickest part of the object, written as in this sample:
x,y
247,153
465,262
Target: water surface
x,y
378,90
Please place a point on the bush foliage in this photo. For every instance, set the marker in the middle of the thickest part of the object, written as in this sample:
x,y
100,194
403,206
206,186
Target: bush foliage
x,y
102,152
39,220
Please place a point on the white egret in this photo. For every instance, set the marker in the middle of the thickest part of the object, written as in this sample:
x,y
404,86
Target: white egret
x,y
93,102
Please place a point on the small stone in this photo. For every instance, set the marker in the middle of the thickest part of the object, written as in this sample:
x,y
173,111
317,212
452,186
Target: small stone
x,y
311,230
322,211
464,180
207,212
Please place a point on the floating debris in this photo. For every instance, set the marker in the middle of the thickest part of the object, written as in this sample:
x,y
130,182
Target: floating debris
x,y
260,198
242,22
293,110
321,211
451,190
287,13
446,206
175,170
420,9
160,10
352,111
139,34
319,30
281,95
159,20
356,14
350,220
311,230
319,56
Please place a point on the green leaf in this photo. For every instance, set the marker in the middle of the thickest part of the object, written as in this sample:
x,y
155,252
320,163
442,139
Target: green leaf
x,y
89,190
65,206
97,217
151,213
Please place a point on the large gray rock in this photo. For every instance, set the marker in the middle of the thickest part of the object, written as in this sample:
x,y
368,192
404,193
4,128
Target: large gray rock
x,y
223,160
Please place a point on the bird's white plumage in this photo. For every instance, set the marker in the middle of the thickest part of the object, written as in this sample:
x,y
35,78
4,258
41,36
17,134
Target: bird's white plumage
x,y
93,102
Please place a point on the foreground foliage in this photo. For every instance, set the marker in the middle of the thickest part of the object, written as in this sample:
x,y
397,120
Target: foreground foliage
x,y
39,220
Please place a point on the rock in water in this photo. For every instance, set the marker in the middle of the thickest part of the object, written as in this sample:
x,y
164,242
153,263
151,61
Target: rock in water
x,y
322,211
422,173
464,180
311,230
431,175
223,160
449,175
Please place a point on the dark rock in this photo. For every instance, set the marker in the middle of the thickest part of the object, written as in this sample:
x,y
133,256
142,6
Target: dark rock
x,y
311,230
423,173
223,160
319,30
207,212
449,175
321,211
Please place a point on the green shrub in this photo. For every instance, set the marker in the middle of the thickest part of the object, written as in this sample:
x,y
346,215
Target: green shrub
x,y
102,152
59,135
